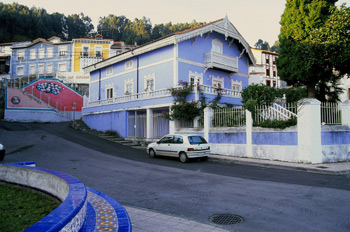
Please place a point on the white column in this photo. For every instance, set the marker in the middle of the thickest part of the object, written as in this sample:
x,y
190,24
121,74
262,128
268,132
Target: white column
x,y
149,126
345,112
208,115
309,131
249,131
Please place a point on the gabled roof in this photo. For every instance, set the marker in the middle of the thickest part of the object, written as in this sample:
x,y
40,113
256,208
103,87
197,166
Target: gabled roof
x,y
40,40
222,26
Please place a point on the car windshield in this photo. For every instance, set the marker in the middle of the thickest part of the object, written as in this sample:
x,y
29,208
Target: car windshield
x,y
196,140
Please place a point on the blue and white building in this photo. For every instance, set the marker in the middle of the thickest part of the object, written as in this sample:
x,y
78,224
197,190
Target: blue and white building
x,y
41,58
129,91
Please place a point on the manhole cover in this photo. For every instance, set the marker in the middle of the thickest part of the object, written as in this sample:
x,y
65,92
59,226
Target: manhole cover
x,y
226,219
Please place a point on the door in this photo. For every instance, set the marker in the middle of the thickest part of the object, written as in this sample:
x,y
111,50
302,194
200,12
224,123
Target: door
x,y
177,146
163,146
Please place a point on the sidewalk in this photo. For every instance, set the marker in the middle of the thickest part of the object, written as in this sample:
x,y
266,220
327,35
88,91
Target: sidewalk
x,y
144,220
325,168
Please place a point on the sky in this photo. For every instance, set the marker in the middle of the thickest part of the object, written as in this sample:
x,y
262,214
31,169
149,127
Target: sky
x,y
254,19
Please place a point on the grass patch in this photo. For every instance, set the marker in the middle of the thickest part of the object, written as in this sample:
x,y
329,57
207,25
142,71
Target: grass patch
x,y
22,207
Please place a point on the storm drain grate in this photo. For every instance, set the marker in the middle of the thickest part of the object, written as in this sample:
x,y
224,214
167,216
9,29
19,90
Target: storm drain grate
x,y
226,219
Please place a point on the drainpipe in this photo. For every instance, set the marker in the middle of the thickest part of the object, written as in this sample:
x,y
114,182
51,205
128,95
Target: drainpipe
x,y
99,84
137,71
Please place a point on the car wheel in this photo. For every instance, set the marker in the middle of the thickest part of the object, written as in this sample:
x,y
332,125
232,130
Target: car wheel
x,y
183,157
151,153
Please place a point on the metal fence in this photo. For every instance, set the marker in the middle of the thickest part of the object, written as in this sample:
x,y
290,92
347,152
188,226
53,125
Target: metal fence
x,y
274,112
229,117
330,113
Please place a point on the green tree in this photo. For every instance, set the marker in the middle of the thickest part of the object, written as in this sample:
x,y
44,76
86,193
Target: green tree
x,y
275,47
303,60
262,45
78,25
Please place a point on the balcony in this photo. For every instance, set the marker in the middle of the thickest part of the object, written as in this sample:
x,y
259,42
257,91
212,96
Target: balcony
x,y
219,61
89,60
160,93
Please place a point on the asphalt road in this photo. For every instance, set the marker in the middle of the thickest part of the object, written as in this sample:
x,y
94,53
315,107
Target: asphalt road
x,y
267,199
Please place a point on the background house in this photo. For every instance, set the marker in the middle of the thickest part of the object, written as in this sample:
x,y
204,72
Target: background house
x,y
129,92
40,58
265,71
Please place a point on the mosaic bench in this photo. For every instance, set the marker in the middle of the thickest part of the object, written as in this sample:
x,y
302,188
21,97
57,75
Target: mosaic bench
x,y
82,209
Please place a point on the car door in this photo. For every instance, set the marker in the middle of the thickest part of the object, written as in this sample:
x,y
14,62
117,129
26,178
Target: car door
x,y
176,146
163,146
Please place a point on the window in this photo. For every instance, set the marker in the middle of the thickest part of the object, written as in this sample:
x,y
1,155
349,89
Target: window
x,y
128,65
237,86
98,51
109,71
149,83
128,87
62,67
217,46
62,51
20,70
167,139
267,72
20,55
49,68
49,52
32,69
41,68
109,93
218,82
268,82
85,51
274,73
33,54
41,53
2,49
267,59
178,139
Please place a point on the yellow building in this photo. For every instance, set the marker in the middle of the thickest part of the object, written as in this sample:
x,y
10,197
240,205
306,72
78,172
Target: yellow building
x,y
87,51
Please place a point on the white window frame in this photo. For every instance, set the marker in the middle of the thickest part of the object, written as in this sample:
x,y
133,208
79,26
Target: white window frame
x,y
32,54
49,52
41,53
217,46
32,69
41,68
83,52
109,91
2,49
109,71
150,77
98,49
217,80
129,87
236,85
49,68
62,51
18,69
196,78
129,64
21,55
60,65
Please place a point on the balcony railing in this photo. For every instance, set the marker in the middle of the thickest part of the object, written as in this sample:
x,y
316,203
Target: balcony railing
x,y
220,61
158,94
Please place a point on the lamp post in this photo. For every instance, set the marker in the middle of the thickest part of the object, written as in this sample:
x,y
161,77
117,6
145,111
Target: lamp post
x,y
74,104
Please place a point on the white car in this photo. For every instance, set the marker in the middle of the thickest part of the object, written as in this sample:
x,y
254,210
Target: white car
x,y
180,145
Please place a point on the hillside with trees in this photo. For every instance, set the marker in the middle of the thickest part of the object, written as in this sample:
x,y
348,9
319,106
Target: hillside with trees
x,y
20,23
